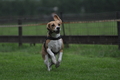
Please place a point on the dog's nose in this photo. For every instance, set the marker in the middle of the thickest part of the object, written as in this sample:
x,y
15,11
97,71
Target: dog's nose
x,y
58,28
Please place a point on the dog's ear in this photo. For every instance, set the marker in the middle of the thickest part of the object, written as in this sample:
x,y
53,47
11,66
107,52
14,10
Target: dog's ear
x,y
56,18
48,26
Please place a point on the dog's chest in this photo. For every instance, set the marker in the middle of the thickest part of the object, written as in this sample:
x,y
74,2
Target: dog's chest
x,y
55,45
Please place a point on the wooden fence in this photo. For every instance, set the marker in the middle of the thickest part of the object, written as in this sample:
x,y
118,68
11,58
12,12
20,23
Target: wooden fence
x,y
92,39
73,39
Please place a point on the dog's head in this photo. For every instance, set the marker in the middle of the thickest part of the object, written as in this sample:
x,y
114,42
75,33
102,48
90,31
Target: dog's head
x,y
54,26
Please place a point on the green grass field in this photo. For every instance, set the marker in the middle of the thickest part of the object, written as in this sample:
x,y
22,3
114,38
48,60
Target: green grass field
x,y
97,28
80,62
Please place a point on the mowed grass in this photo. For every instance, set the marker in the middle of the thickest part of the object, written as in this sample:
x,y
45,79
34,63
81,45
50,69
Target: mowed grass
x,y
94,28
80,62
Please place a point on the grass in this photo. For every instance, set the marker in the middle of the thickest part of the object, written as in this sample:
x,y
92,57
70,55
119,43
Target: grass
x,y
80,62
97,28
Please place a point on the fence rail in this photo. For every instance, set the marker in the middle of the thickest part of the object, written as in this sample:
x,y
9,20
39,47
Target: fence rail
x,y
83,39
72,22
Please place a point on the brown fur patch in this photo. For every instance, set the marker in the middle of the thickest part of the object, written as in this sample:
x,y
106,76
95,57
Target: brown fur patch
x,y
44,48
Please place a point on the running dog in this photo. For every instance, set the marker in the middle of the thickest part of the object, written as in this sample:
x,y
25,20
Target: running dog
x,y
52,49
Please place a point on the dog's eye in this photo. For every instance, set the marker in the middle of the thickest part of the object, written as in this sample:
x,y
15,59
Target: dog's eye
x,y
53,25
58,24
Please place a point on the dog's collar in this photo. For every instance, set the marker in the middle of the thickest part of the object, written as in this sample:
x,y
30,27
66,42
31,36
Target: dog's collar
x,y
52,38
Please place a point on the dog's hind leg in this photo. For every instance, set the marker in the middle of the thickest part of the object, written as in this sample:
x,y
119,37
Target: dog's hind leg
x,y
51,63
47,63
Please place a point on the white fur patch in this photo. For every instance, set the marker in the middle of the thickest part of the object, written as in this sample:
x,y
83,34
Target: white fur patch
x,y
55,45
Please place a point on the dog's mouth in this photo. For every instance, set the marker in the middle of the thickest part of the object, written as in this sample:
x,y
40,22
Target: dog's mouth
x,y
57,30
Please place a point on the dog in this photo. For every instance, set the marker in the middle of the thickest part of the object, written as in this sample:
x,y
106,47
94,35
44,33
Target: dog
x,y
52,49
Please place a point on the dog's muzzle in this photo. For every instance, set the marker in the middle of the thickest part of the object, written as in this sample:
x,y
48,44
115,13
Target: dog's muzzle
x,y
57,30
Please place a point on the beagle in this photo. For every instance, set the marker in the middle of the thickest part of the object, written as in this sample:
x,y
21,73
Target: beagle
x,y
52,49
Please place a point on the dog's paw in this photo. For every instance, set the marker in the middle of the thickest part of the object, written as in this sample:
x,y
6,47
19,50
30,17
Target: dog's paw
x,y
49,68
57,65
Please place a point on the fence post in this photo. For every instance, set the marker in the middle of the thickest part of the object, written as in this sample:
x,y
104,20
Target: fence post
x,y
63,28
118,28
20,31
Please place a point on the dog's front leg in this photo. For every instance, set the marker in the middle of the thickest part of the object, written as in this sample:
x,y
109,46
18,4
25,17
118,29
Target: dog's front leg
x,y
59,59
52,55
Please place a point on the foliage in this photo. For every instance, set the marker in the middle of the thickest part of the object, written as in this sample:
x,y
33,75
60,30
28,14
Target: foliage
x,y
37,7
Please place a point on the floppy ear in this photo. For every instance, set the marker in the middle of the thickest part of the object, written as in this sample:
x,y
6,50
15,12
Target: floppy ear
x,y
48,26
56,18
